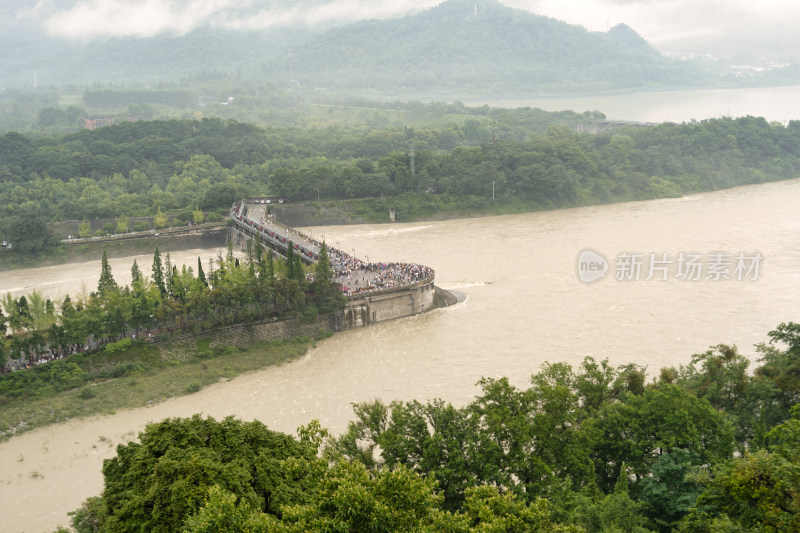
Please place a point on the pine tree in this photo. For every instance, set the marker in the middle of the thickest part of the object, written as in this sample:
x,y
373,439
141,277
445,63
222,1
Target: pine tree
x,y
106,285
259,251
158,272
176,288
323,270
200,274
136,273
270,268
167,270
291,271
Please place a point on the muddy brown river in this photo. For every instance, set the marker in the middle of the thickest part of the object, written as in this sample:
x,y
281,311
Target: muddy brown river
x,y
526,304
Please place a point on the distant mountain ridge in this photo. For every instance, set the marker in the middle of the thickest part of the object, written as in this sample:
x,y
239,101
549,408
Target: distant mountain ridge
x,y
459,49
482,47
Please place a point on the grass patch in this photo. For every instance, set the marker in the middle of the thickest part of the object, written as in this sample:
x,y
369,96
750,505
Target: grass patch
x,y
153,382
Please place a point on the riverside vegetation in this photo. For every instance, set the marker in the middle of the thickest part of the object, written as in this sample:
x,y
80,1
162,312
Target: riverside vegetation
x,y
469,161
79,356
702,448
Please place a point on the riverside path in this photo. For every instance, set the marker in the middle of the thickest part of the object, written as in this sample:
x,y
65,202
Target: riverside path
x,y
353,274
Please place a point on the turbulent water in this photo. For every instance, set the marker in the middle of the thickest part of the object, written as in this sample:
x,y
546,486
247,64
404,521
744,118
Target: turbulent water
x,y
525,304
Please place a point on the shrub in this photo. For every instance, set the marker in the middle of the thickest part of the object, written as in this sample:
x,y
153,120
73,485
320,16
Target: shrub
x,y
86,393
310,315
119,346
124,369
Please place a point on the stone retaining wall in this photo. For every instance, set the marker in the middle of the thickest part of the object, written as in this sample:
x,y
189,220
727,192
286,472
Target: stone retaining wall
x,y
360,312
242,336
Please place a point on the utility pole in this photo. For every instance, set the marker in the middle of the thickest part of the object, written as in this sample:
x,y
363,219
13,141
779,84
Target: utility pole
x,y
411,154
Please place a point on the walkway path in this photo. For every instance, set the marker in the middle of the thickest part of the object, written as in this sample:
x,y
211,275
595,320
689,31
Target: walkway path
x,y
354,274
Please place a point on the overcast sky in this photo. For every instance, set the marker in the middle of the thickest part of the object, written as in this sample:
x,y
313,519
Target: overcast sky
x,y
661,22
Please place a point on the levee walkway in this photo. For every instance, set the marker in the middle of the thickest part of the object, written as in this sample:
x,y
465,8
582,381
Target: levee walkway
x,y
353,274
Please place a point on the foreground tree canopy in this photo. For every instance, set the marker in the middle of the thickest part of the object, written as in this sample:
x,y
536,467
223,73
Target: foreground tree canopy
x,y
592,449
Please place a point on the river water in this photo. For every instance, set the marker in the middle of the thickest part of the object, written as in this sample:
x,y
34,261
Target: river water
x,y
779,104
526,304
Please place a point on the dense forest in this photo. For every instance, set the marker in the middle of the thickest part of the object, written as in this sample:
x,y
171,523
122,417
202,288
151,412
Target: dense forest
x,y
485,157
705,447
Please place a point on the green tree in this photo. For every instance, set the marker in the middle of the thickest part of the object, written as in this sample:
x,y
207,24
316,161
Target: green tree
x,y
27,231
106,285
722,379
348,498
776,382
158,272
158,483
322,268
160,219
668,492
122,224
327,295
221,512
85,228
291,262
487,510
136,274
201,276
757,492
640,428
197,215
90,517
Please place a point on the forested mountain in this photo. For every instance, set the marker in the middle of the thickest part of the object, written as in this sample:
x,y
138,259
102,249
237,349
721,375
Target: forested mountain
x,y
460,49
480,48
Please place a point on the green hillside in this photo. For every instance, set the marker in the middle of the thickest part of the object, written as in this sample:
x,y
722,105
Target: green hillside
x,y
479,48
459,49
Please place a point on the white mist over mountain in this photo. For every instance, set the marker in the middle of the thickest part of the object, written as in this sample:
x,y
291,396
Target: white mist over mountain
x,y
703,26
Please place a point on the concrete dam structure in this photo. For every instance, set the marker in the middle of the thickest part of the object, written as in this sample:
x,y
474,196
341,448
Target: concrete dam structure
x,y
385,290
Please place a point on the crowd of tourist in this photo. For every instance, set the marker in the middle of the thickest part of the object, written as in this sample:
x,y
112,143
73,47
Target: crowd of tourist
x,y
356,275
34,359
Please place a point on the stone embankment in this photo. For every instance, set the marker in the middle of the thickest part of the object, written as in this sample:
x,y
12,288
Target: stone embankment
x,y
361,311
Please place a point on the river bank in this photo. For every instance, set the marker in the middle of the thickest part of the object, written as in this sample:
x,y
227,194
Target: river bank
x,y
144,375
408,207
